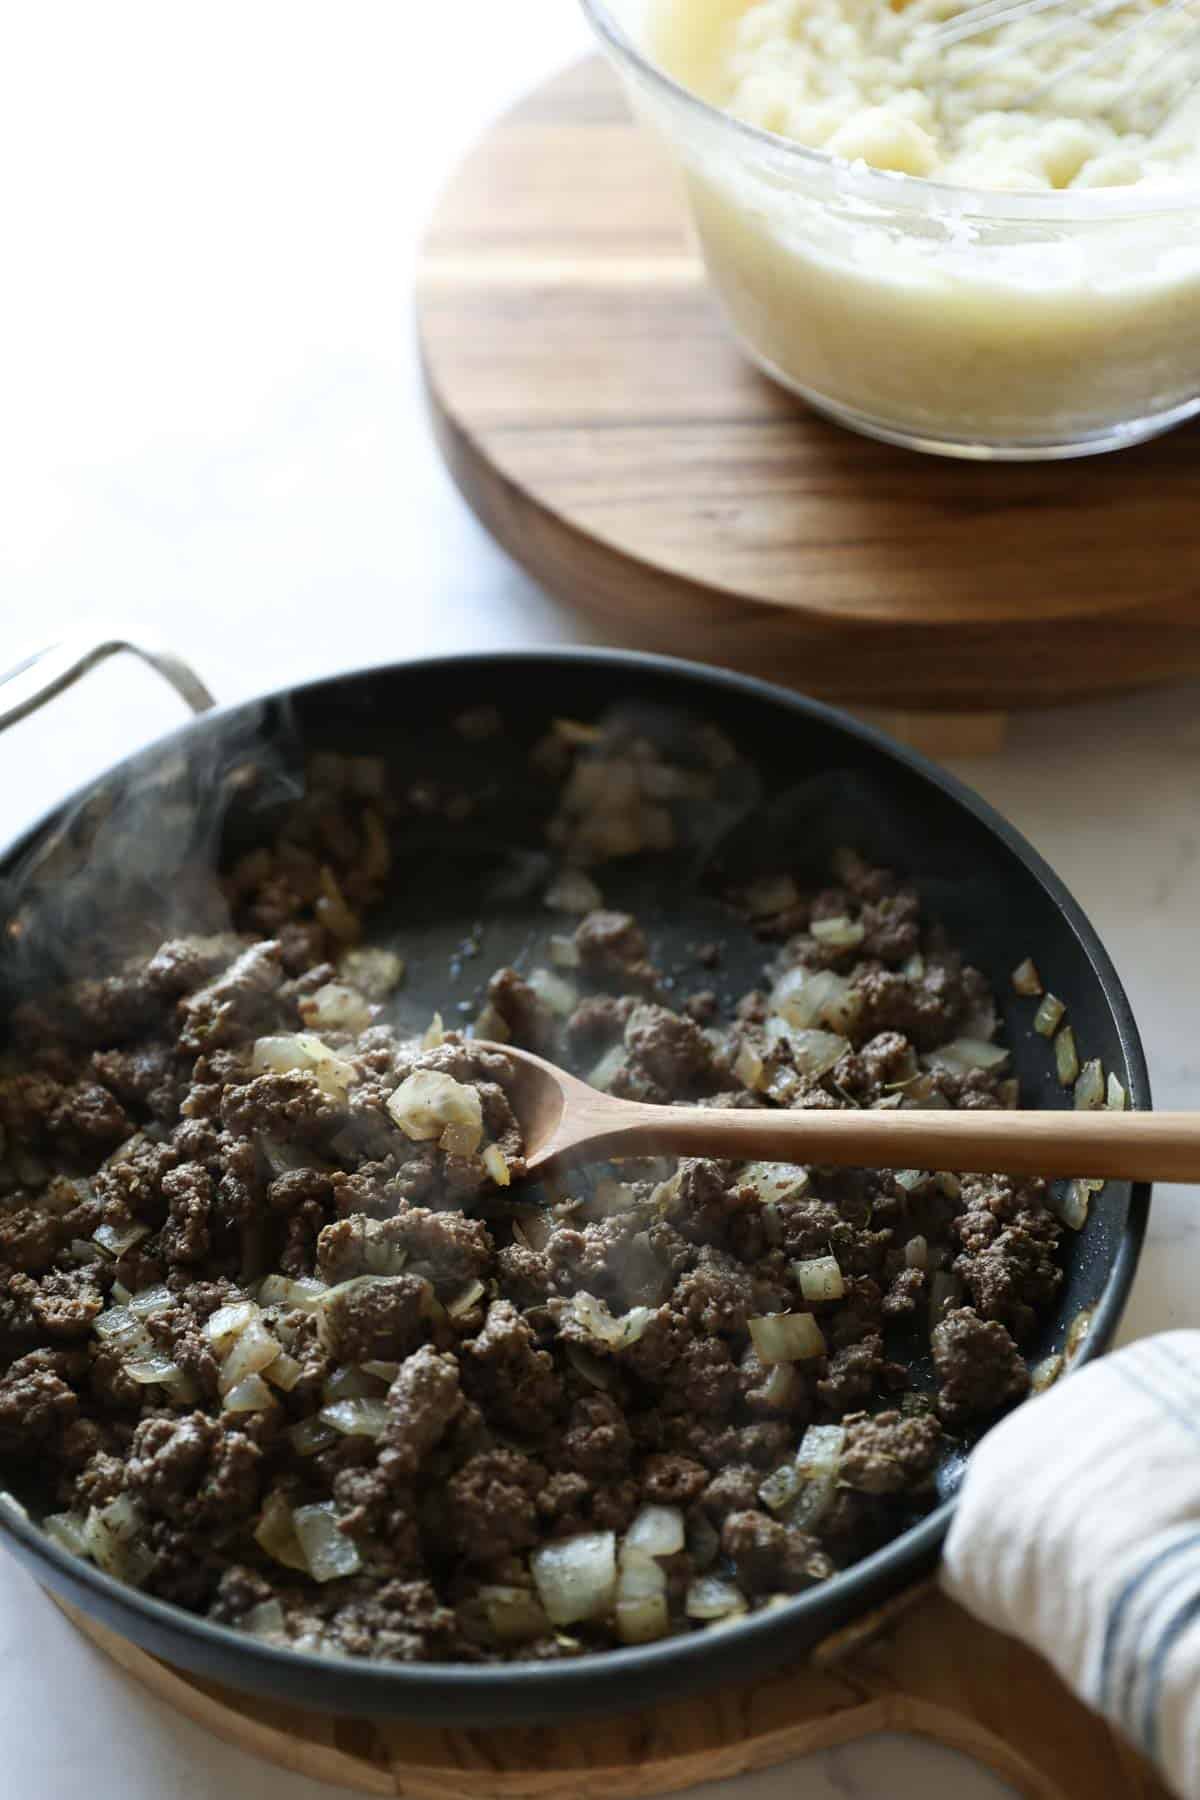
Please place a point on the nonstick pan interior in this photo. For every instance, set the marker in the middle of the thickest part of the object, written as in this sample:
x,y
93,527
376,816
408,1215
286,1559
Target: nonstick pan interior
x,y
467,898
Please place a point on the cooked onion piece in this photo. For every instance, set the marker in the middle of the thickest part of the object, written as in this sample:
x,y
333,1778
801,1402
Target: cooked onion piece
x,y
577,1577
429,1104
786,1337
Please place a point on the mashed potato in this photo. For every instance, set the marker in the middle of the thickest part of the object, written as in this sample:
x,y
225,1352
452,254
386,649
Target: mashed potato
x,y
1053,99
1036,292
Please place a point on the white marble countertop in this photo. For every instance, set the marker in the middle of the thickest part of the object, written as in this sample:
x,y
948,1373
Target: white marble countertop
x,y
213,434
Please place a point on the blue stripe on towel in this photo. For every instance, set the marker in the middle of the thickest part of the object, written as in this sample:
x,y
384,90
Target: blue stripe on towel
x,y
1117,1616
1172,1631
1139,1379
1133,1666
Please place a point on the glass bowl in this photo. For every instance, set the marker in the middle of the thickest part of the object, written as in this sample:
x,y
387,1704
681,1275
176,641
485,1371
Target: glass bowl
x,y
993,325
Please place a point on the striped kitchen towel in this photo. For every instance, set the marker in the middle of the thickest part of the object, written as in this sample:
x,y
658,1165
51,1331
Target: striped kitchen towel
x,y
1078,1531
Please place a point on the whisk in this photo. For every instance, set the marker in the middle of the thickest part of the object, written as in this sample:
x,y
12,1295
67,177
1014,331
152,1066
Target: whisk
x,y
988,15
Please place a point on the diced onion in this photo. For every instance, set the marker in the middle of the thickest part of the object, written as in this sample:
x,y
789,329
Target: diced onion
x,y
770,894
304,1295
151,1300
656,1531
373,972
565,953
1043,1375
914,968
67,1529
573,892
805,997
1072,1205
820,1448
265,1620
562,997
349,1383
305,1054
817,1463
151,1367
514,1614
1026,980
463,1302
113,1537
945,1290
916,1253
603,1073
250,1395
775,1181
786,1337
119,1327
963,1054
329,1553
1049,1013
435,1033
709,1597
1116,1098
779,1490
254,1349
276,1534
336,1007
642,1619
576,1577
459,1140
382,1371
814,1500
116,1239
1066,1056
749,1067
820,1278
428,1101
357,1418
228,1323
842,933
311,1435
285,1372
1089,1088
593,1317
782,1386
815,1052
910,1179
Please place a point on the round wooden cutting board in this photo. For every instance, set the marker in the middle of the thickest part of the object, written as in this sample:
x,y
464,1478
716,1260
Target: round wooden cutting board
x,y
607,431
921,1666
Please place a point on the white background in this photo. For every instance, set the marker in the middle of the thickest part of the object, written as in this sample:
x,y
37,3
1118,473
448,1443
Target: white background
x,y
211,430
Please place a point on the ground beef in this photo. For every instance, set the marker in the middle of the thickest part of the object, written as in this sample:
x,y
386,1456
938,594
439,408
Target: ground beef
x,y
511,1378
529,1020
424,1401
376,1317
596,1024
507,1369
889,1453
37,1404
290,1107
978,1365
612,948
768,1558
492,1505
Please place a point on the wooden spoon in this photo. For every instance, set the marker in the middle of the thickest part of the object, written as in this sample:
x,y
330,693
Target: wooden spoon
x,y
565,1121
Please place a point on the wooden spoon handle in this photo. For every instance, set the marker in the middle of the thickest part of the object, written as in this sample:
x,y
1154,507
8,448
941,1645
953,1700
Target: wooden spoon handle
x,y
1145,1146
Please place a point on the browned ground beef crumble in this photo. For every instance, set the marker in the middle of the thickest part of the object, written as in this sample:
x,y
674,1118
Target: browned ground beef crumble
x,y
496,1418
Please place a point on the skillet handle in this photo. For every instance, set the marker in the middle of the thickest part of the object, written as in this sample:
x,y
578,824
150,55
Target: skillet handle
x,y
38,678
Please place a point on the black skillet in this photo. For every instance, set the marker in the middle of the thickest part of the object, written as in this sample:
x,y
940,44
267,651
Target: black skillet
x,y
468,900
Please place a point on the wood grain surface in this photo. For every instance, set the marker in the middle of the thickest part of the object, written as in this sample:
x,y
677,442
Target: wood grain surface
x,y
609,433
921,1666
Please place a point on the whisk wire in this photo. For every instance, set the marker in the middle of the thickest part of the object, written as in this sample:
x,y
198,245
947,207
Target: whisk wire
x,y
989,15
